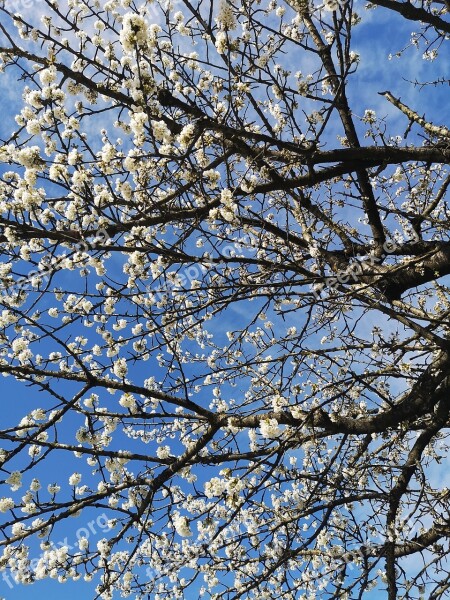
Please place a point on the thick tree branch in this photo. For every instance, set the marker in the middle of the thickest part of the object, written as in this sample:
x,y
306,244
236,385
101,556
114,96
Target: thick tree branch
x,y
413,13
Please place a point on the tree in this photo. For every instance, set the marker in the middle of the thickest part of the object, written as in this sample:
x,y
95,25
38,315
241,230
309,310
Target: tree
x,y
225,310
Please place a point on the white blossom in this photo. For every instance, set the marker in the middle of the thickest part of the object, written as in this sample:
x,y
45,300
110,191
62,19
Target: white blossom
x,y
186,135
6,504
75,479
30,157
83,543
163,452
120,368
134,32
181,525
15,480
331,5
221,42
269,428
